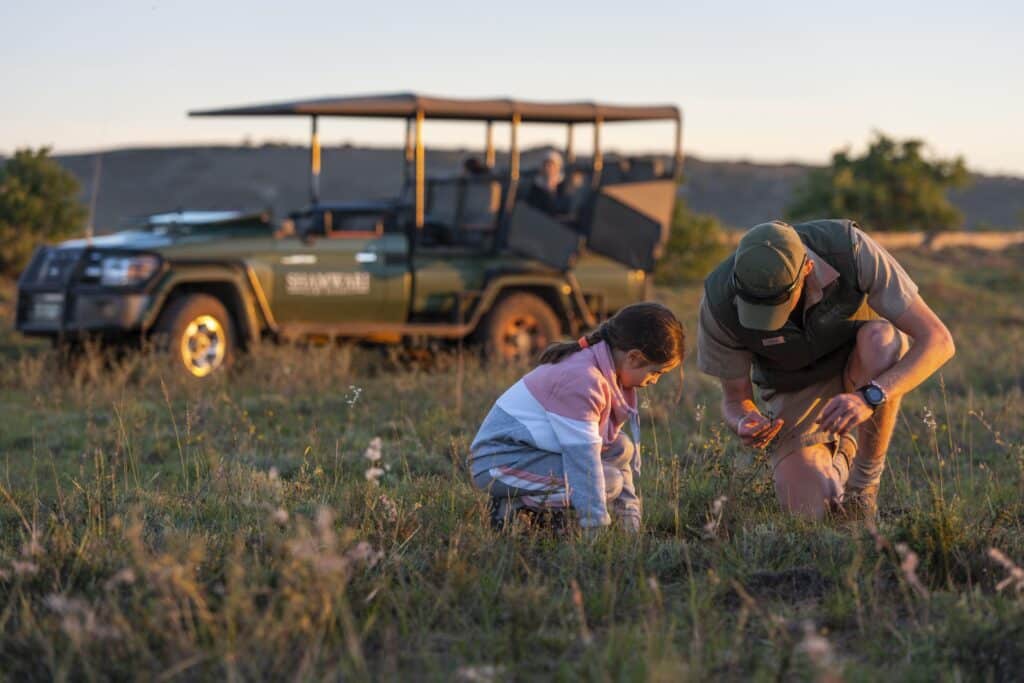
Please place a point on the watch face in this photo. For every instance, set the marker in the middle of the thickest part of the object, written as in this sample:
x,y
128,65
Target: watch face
x,y
874,395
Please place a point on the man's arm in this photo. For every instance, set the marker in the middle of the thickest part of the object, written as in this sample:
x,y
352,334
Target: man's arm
x,y
742,415
933,346
721,355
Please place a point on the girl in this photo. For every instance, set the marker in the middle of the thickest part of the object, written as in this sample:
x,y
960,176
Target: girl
x,y
554,439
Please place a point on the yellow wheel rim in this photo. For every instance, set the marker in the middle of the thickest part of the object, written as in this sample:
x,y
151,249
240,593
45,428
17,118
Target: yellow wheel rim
x,y
520,336
203,346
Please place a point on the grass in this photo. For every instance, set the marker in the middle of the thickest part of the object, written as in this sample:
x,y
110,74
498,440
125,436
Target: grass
x,y
155,529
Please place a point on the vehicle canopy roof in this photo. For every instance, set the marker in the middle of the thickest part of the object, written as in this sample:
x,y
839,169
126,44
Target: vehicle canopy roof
x,y
408,105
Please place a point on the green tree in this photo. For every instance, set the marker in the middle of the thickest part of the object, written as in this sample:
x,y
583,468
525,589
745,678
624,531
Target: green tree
x,y
695,246
38,203
892,187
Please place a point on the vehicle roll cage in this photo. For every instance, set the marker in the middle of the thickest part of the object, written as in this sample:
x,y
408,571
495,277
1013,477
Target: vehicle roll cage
x,y
415,108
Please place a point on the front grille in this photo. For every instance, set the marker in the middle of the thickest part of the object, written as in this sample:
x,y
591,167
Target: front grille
x,y
53,268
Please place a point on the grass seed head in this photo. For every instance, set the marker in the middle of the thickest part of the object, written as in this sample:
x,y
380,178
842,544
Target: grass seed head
x,y
1014,574
908,566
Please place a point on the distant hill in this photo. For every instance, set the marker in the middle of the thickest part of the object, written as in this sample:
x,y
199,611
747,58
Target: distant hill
x,y
141,181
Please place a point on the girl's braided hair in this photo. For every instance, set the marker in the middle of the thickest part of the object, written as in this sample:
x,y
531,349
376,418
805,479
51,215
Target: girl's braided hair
x,y
648,327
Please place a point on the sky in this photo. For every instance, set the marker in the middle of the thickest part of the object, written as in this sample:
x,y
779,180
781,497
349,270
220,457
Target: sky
x,y
758,81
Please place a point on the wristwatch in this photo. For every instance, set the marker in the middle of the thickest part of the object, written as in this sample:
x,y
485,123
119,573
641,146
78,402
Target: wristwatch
x,y
872,394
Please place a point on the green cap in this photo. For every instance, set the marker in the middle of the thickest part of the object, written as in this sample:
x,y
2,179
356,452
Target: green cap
x,y
766,271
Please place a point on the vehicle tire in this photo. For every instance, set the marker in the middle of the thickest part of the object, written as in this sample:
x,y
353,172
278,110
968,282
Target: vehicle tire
x,y
518,327
198,333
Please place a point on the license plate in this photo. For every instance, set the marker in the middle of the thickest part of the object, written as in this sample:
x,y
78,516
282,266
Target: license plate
x,y
47,307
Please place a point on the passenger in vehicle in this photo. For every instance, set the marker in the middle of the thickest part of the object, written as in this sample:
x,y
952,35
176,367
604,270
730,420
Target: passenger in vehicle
x,y
546,192
473,166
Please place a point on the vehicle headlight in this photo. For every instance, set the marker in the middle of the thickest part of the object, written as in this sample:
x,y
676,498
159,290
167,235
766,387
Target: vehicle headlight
x,y
121,271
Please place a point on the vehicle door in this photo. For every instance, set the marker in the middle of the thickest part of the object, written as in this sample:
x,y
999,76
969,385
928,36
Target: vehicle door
x,y
342,268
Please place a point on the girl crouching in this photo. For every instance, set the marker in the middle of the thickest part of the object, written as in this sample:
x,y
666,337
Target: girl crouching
x,y
554,439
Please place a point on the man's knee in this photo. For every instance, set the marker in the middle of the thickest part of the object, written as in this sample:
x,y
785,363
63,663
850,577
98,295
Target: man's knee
x,y
879,346
806,482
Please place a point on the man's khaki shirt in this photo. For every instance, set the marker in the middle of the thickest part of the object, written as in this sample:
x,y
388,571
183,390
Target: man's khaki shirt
x,y
890,292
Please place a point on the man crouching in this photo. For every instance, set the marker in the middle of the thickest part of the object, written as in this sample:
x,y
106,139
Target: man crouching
x,y
817,315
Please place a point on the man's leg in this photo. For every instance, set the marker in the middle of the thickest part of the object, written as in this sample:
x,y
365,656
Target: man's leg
x,y
879,346
807,482
807,468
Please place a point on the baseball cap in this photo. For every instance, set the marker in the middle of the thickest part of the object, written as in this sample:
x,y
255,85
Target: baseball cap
x,y
766,274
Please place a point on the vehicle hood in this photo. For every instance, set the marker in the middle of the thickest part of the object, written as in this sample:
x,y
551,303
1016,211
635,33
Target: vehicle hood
x,y
128,239
154,239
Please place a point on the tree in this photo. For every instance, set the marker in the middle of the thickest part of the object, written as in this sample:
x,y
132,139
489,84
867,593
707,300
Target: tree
x,y
38,203
695,245
891,187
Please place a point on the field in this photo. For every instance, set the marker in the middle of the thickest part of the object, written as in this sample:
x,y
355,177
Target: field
x,y
155,529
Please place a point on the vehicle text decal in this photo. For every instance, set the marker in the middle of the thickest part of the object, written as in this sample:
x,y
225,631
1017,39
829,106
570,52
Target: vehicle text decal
x,y
327,284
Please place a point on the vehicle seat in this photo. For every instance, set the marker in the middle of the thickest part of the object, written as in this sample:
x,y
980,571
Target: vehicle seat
x,y
645,168
481,199
442,202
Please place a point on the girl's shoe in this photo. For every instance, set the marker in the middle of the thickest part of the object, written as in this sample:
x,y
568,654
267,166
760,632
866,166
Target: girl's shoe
x,y
498,510
504,511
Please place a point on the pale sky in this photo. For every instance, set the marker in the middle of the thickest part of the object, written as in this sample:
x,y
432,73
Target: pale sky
x,y
760,81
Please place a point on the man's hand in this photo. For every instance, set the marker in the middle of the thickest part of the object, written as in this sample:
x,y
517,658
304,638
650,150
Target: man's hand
x,y
756,430
843,413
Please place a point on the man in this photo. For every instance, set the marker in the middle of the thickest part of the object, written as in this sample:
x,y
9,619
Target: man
x,y
545,192
817,315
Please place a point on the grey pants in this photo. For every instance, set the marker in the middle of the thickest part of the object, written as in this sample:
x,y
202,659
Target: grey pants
x,y
537,480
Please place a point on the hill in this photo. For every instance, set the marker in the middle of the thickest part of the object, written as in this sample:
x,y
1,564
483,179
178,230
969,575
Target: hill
x,y
147,180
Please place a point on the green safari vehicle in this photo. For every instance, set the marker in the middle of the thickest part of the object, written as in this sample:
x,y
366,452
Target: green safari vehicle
x,y
458,256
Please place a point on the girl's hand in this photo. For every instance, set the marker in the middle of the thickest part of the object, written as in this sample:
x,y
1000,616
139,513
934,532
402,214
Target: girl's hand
x,y
844,412
756,430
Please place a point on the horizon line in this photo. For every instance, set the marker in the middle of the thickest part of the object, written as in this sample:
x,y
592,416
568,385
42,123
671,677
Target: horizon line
x,y
793,161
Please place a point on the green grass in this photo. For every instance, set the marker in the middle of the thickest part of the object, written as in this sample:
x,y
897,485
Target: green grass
x,y
152,528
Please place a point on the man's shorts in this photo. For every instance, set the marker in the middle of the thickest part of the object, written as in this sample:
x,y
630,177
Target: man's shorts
x,y
799,410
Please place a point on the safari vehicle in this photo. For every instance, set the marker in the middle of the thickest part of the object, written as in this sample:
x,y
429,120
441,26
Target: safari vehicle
x,y
451,257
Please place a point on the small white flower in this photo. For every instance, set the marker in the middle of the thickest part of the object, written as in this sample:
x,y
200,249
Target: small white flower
x,y
353,395
929,419
373,451
363,552
716,507
817,648
389,508
373,474
279,517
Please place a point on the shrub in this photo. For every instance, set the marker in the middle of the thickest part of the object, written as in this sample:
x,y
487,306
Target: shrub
x,y
892,187
695,246
38,203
